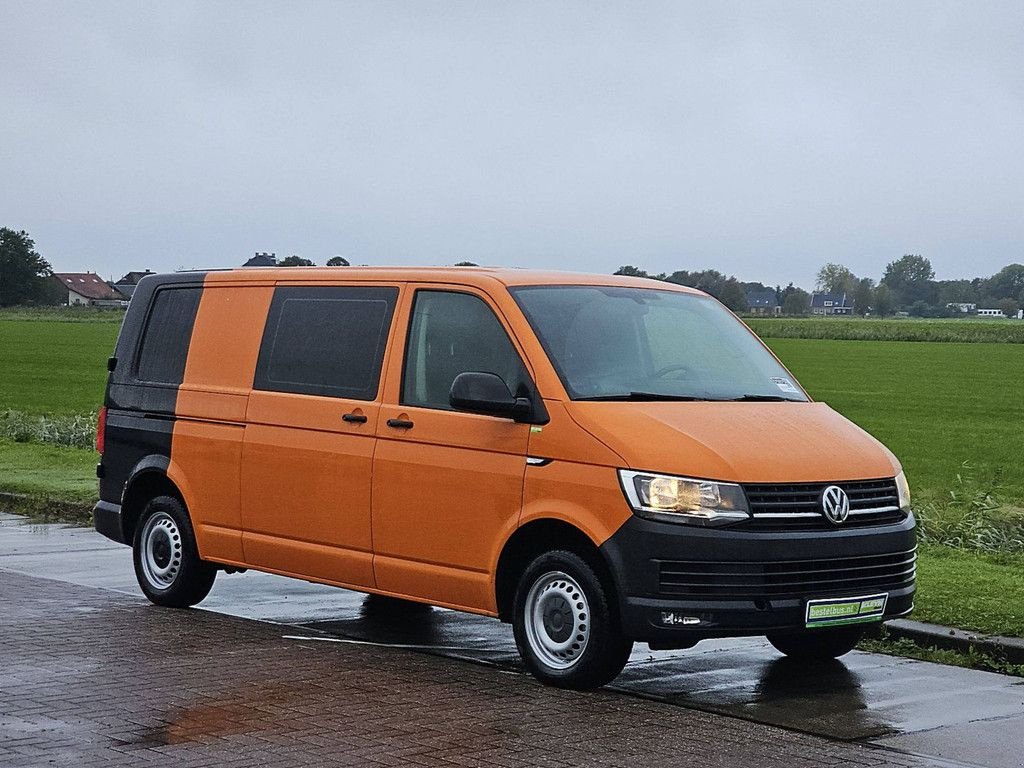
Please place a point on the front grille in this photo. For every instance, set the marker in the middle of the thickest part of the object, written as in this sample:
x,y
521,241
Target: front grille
x,y
798,506
751,580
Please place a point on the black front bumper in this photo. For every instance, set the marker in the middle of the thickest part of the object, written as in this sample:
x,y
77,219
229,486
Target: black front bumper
x,y
107,519
726,582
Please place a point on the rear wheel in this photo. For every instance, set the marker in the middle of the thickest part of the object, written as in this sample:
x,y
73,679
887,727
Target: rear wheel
x,y
564,625
818,644
167,563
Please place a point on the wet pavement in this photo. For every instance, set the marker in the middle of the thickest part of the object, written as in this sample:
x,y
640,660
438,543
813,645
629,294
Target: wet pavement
x,y
951,715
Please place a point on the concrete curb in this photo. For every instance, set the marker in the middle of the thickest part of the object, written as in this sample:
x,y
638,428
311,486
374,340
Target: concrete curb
x,y
1010,649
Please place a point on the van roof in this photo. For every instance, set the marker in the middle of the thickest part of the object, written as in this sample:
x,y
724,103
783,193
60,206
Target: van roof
x,y
466,275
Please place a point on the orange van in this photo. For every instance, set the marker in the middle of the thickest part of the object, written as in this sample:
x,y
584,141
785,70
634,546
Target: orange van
x,y
597,460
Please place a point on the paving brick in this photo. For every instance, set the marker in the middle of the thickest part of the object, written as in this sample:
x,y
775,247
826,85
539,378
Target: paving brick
x,y
90,677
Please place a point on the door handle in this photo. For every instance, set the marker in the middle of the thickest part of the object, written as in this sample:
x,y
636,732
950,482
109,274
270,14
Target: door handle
x,y
400,423
354,418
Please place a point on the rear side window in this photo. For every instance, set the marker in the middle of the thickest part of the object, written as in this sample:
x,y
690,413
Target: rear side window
x,y
325,341
452,333
168,331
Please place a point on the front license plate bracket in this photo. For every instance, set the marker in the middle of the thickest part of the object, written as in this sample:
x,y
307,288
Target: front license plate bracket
x,y
837,611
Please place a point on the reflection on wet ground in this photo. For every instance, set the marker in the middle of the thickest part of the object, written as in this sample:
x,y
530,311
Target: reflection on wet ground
x,y
903,703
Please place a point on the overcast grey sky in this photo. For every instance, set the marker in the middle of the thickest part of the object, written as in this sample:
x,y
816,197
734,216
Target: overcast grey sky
x,y
761,139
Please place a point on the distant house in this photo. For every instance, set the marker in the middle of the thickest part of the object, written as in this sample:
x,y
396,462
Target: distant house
x,y
763,302
262,260
126,285
88,289
964,307
830,304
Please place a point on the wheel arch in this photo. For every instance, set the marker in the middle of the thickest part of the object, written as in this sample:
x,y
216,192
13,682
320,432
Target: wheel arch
x,y
544,535
149,479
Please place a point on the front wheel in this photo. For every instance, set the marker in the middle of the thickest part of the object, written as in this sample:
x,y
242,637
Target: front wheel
x,y
818,644
564,624
167,563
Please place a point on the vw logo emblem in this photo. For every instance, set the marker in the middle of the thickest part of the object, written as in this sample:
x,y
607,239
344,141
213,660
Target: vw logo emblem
x,y
835,504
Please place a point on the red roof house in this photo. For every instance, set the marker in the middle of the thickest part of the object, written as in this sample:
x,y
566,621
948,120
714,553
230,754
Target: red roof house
x,y
88,288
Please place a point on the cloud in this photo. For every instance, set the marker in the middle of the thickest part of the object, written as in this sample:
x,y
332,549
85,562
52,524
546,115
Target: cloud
x,y
761,140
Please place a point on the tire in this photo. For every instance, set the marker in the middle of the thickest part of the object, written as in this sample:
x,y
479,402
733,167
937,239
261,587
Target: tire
x,y
818,644
167,563
583,653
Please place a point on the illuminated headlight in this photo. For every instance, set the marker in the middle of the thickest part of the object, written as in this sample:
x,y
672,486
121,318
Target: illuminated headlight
x,y
903,491
683,499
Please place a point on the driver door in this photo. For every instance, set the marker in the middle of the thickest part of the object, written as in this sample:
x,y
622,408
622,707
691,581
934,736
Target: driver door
x,y
447,485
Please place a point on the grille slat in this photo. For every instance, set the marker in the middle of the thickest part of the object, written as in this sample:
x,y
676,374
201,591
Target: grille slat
x,y
794,578
797,506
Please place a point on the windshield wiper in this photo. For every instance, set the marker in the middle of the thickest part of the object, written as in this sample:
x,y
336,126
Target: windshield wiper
x,y
644,396
764,399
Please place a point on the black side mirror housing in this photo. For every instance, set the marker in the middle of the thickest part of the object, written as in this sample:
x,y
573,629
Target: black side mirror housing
x,y
489,395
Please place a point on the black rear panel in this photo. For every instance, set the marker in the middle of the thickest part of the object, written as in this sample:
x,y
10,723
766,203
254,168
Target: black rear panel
x,y
142,390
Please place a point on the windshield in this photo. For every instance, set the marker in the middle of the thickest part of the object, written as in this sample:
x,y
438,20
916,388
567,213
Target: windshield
x,y
611,343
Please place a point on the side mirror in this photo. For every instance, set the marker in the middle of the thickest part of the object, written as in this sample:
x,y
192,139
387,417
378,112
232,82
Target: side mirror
x,y
488,394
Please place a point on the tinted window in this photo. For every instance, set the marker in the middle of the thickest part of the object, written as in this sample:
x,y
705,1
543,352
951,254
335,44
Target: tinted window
x,y
449,334
325,341
168,332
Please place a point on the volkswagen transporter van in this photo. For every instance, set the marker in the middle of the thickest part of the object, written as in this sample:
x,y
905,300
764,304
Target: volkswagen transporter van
x,y
597,460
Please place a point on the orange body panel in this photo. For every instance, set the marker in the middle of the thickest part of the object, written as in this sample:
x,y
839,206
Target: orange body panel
x,y
306,487
806,442
579,486
443,494
206,446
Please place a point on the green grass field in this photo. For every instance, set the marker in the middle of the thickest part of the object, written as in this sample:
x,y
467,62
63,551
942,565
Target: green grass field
x,y
970,590
54,366
51,471
934,405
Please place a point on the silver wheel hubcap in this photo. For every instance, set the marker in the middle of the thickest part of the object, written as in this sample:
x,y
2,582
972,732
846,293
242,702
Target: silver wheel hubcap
x,y
161,550
557,620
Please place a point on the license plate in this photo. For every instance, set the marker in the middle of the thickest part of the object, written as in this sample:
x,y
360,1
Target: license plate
x,y
845,610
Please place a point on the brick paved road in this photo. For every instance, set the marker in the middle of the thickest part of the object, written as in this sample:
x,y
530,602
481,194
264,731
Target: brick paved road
x,y
91,677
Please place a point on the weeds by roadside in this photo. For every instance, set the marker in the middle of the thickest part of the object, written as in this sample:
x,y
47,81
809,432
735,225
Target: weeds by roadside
x,y
972,516
73,430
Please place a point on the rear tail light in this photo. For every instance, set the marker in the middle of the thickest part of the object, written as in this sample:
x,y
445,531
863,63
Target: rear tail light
x,y
101,430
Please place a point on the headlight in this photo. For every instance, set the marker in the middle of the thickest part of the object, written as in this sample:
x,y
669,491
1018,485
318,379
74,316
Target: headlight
x,y
683,499
903,491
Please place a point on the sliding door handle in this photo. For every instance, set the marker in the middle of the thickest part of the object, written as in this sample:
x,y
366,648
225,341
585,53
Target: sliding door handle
x,y
400,423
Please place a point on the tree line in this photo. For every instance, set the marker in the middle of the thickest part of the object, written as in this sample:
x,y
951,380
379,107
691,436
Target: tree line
x,y
908,284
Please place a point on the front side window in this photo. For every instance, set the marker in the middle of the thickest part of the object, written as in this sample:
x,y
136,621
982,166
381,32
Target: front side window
x,y
325,341
452,333
615,343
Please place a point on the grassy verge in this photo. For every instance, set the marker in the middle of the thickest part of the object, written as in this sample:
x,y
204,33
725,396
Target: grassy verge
x,y
976,591
972,659
50,472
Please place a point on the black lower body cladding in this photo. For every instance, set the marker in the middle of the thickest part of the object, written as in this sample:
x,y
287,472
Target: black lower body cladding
x,y
681,583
